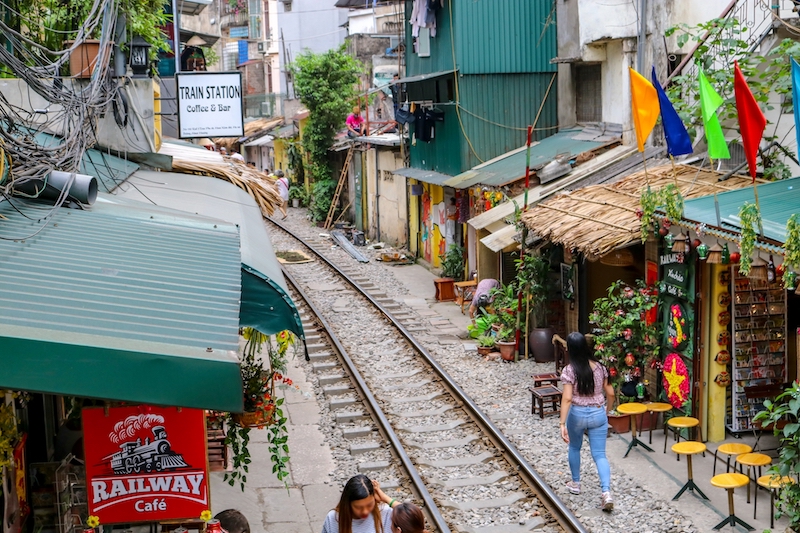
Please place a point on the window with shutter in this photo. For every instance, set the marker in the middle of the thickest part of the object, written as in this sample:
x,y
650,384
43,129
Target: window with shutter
x,y
588,93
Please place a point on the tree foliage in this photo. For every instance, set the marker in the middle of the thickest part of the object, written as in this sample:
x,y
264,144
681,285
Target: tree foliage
x,y
326,84
766,75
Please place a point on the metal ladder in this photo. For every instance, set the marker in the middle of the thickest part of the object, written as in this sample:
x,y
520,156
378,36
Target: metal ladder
x,y
339,187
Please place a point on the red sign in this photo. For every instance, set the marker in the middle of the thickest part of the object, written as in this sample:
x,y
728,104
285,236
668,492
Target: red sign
x,y
145,464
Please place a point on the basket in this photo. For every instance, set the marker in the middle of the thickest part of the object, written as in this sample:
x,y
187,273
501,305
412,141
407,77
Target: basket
x,y
252,419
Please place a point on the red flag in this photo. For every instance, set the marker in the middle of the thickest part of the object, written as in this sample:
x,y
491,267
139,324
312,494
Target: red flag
x,y
752,121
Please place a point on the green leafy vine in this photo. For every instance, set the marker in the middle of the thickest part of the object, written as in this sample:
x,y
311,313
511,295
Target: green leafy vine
x,y
648,202
673,201
669,196
750,219
792,248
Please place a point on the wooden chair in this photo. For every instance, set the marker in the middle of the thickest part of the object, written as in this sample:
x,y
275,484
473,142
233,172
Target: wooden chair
x,y
464,290
561,355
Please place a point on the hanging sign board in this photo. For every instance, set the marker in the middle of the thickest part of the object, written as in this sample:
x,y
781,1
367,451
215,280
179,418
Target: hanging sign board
x,y
145,464
210,104
676,275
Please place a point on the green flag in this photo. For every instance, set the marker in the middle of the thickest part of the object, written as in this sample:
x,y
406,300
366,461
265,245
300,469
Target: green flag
x,y
709,103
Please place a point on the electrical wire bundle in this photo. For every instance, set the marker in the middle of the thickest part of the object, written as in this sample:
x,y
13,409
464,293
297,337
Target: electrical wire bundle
x,y
72,108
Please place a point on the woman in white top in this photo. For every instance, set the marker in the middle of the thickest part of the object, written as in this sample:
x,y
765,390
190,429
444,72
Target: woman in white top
x,y
283,190
363,508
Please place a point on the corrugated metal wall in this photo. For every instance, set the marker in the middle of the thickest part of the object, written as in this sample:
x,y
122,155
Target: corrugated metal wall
x,y
503,36
491,36
506,105
444,153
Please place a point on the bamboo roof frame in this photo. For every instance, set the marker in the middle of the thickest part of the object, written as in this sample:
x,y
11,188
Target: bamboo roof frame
x,y
598,219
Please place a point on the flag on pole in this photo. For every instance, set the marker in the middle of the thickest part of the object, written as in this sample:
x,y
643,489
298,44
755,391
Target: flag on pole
x,y
709,103
644,105
752,121
796,100
678,140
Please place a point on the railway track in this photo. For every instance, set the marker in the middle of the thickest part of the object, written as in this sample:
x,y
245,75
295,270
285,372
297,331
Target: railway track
x,y
415,428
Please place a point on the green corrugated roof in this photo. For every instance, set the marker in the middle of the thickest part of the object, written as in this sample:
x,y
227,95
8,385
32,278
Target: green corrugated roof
x,y
425,176
511,166
778,200
122,300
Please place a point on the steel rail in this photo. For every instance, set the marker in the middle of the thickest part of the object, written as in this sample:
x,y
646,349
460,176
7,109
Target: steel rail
x,y
565,517
428,505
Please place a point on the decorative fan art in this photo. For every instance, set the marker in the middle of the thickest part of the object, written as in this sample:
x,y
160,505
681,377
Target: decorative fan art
x,y
676,327
676,380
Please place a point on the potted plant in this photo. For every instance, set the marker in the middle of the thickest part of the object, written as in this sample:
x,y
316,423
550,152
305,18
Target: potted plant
x,y
298,196
260,377
506,344
624,341
485,344
783,415
482,325
533,276
452,263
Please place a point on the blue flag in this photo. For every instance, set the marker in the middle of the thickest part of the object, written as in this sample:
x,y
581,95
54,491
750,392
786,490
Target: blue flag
x,y
796,99
678,140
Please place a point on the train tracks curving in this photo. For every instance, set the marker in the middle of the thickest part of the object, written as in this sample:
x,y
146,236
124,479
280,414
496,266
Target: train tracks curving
x,y
387,392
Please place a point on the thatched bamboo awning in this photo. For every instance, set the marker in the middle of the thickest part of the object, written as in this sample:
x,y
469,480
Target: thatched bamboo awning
x,y
250,128
600,218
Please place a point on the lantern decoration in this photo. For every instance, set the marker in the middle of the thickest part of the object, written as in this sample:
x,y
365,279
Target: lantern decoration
x,y
663,231
702,251
676,380
723,357
790,280
726,254
669,239
735,257
140,59
723,379
714,254
630,360
696,243
758,269
680,241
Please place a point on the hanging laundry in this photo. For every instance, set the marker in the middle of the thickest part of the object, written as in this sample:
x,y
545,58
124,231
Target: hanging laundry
x,y
423,15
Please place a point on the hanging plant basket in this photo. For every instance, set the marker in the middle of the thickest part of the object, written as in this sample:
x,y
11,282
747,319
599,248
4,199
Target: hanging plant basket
x,y
254,419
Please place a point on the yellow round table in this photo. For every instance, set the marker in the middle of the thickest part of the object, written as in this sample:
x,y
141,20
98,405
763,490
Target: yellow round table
x,y
730,482
689,448
730,449
634,409
656,408
771,482
675,424
753,461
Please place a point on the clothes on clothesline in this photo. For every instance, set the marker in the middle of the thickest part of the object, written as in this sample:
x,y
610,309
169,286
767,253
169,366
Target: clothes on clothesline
x,y
424,120
423,15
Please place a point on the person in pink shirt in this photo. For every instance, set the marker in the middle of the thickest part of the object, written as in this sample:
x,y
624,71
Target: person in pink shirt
x,y
355,123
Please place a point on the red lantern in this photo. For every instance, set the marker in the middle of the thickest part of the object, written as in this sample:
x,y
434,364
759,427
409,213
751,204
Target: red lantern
x,y
779,270
663,231
612,372
696,243
630,360
735,258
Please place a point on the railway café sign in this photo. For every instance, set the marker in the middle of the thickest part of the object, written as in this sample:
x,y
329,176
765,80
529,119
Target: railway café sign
x,y
210,104
145,464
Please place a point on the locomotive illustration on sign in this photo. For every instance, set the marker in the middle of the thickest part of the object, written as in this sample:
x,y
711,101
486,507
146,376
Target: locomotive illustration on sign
x,y
153,455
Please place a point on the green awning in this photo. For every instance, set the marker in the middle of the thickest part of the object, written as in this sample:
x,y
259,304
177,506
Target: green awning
x,y
120,301
778,200
266,304
510,167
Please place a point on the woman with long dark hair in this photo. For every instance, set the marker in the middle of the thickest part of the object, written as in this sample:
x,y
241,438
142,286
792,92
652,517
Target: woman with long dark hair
x,y
583,409
361,509
407,518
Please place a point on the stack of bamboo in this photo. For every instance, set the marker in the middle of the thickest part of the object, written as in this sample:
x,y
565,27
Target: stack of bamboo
x,y
600,218
257,184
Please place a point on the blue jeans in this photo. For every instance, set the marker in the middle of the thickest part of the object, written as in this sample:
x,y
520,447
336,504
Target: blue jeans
x,y
594,421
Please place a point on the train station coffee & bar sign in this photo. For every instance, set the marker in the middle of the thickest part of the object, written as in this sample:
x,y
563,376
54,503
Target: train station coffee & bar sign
x,y
145,464
210,104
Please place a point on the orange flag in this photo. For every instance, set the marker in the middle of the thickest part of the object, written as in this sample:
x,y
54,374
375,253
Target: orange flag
x,y
644,105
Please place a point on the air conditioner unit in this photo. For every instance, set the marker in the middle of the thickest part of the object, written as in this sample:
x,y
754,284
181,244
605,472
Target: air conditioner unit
x,y
266,109
263,46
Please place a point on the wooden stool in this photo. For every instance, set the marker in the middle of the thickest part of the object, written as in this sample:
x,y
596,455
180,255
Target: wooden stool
x,y
771,482
548,393
633,409
656,408
688,449
677,423
753,460
730,482
548,378
464,291
731,448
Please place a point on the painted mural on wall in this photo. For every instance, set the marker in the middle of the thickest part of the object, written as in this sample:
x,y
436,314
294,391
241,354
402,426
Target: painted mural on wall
x,y
433,221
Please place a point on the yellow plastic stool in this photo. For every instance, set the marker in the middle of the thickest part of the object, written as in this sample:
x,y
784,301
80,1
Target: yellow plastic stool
x,y
753,460
634,409
730,482
688,449
656,408
771,482
730,449
677,423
